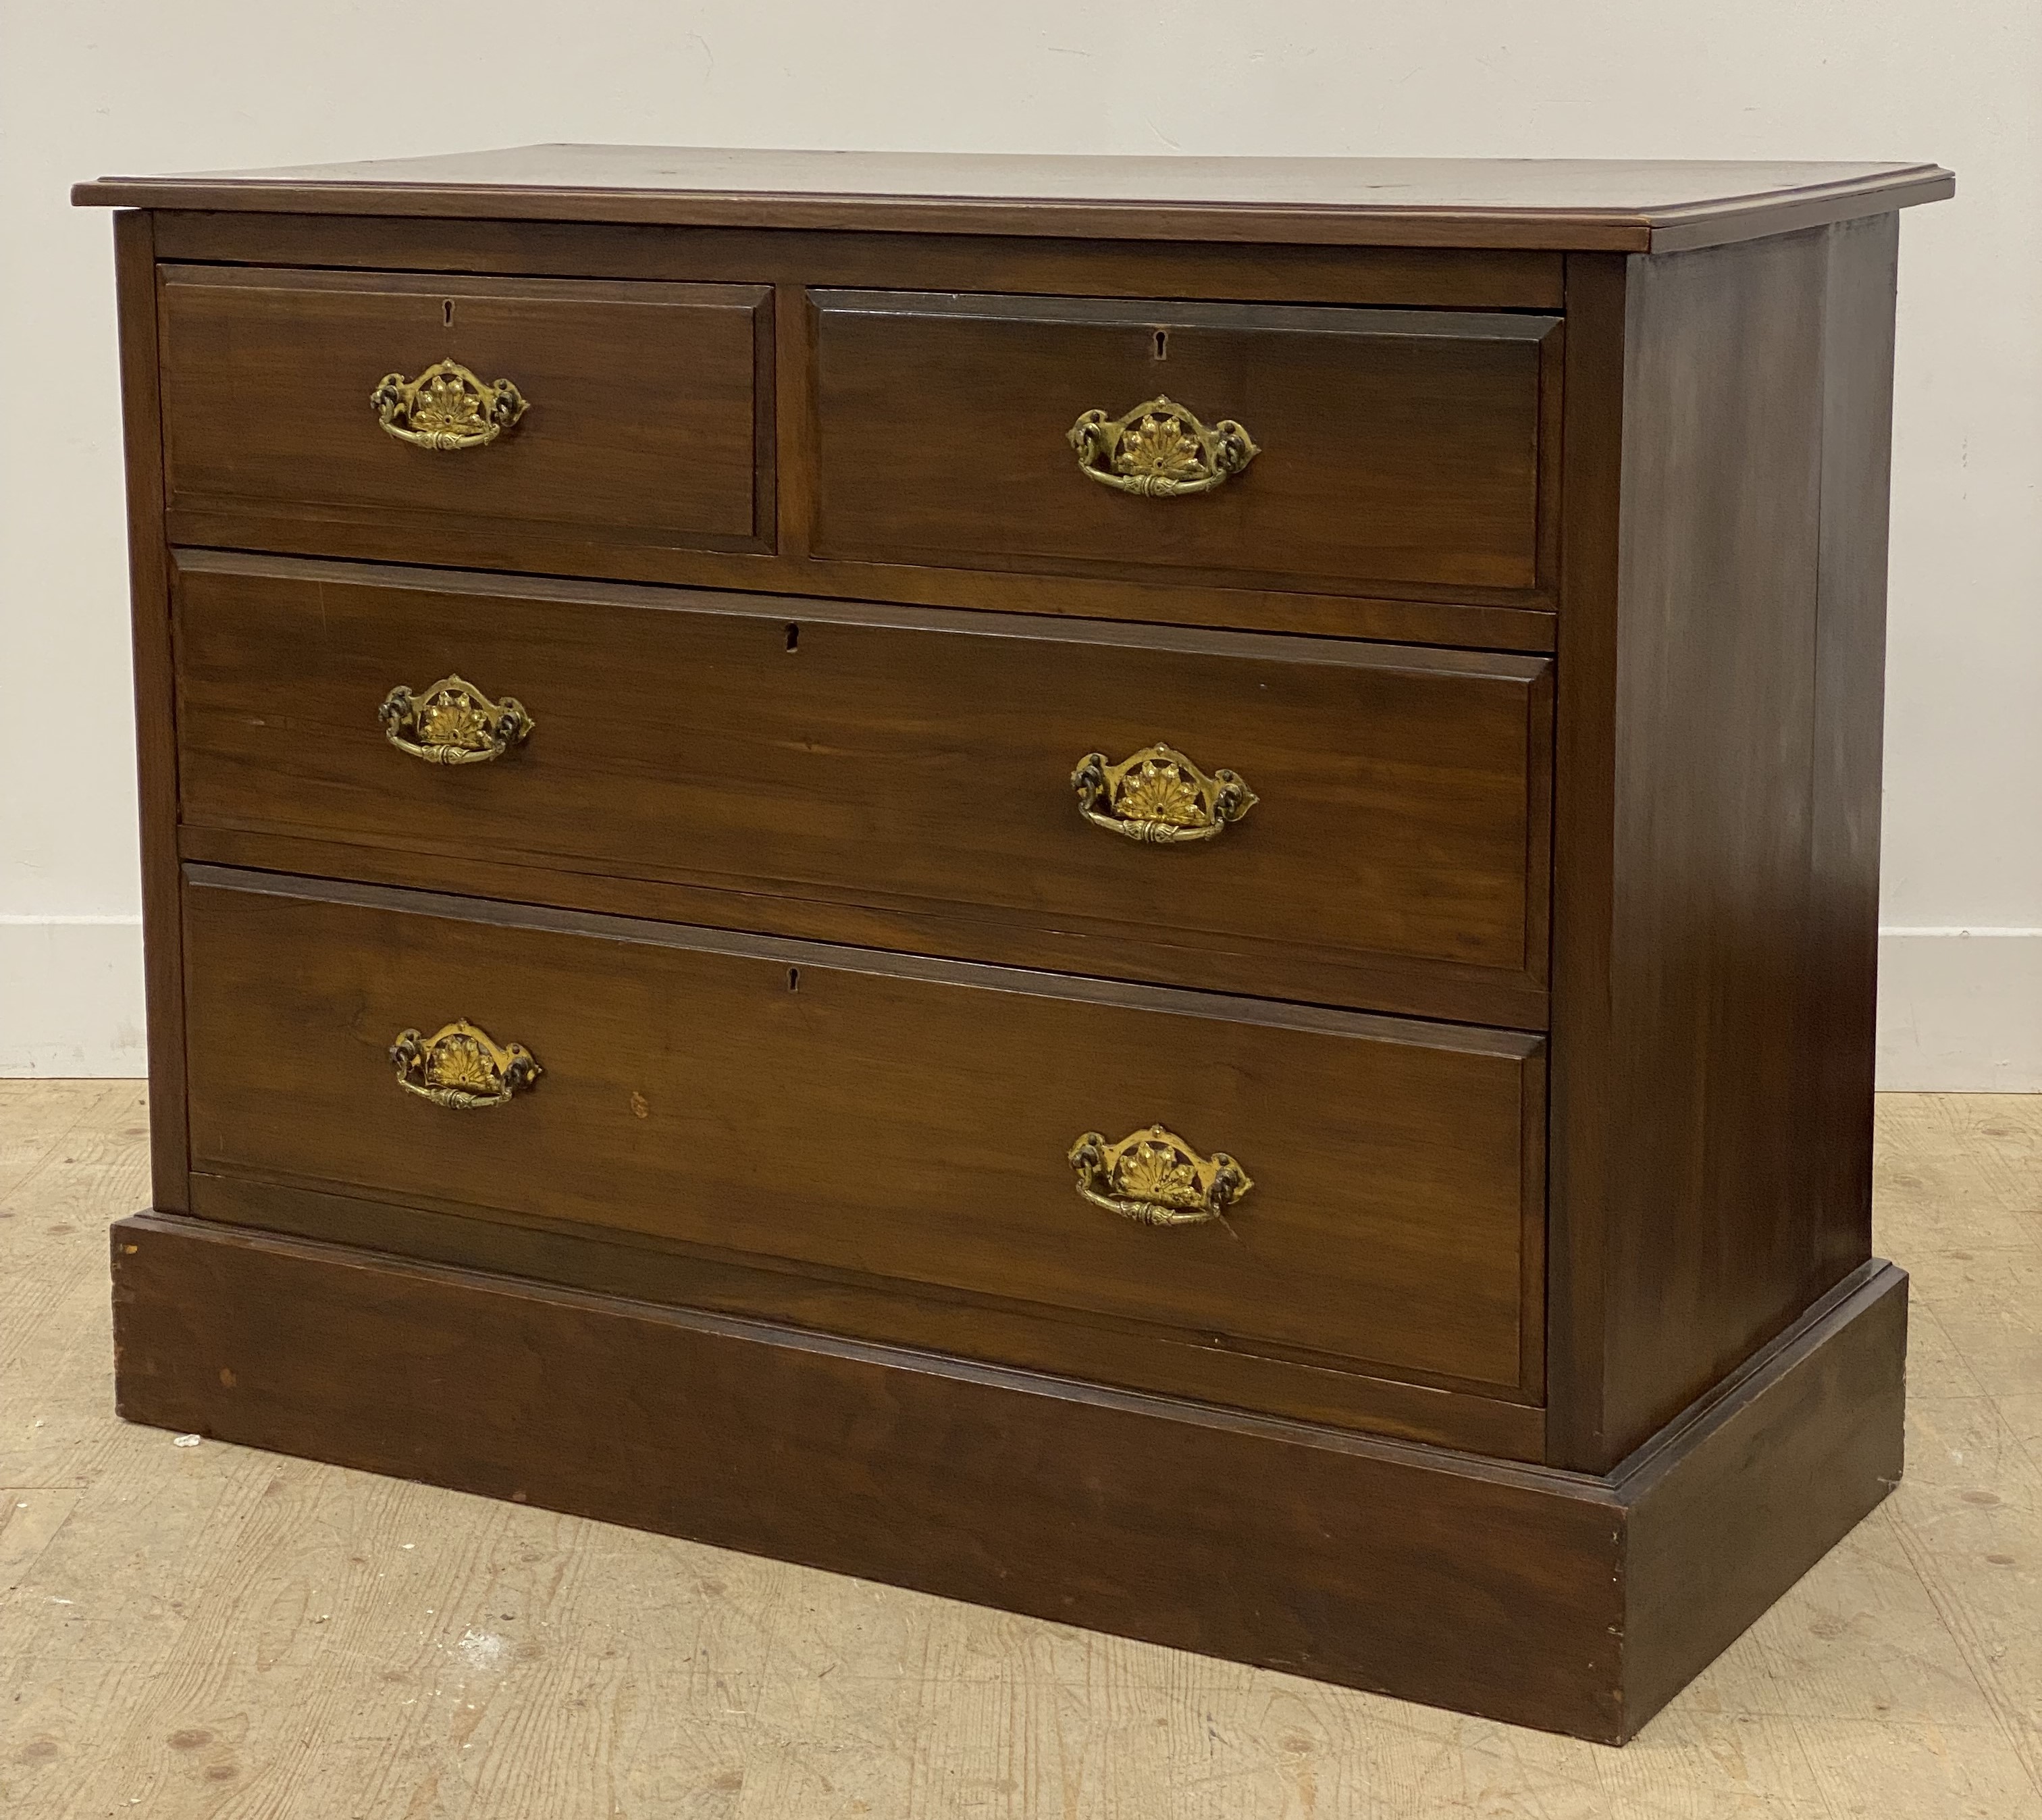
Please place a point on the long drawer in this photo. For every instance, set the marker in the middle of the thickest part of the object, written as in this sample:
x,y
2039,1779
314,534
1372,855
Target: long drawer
x,y
1340,450
1382,842
537,423
1367,1192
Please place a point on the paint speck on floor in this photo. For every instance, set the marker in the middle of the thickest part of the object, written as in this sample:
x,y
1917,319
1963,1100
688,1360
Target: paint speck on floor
x,y
482,1649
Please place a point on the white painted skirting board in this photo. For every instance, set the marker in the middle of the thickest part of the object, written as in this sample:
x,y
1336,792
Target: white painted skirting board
x,y
1960,1011
70,996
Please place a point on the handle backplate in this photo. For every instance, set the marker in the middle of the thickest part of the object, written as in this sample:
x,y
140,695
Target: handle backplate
x,y
1155,1177
453,723
446,407
462,1068
1160,449
1159,796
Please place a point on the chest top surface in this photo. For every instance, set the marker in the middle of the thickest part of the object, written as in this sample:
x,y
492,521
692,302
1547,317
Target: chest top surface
x,y
1573,205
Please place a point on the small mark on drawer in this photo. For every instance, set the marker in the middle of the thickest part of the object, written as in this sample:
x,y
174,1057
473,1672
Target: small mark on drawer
x,y
640,1106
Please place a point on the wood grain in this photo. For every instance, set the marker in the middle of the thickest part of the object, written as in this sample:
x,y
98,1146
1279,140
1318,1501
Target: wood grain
x,y
895,1118
773,748
512,1664
852,1151
1846,744
84,1156
1397,447
1072,945
1530,1612
1345,1576
1712,995
649,418
1585,1124
156,688
1504,618
490,254
1119,1351
31,1140
1579,204
1429,277
1717,1237
1719,1519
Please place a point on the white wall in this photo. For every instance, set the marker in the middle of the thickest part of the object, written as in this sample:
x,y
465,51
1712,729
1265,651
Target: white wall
x,y
96,86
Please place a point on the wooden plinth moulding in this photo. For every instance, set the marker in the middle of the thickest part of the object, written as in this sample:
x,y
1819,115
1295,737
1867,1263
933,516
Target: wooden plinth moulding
x,y
1571,1602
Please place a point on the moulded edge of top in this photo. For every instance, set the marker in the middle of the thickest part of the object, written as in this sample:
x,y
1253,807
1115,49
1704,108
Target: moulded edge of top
x,y
1672,227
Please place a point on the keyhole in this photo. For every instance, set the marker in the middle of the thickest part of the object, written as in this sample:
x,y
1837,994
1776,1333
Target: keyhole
x,y
446,312
794,979
794,636
1162,344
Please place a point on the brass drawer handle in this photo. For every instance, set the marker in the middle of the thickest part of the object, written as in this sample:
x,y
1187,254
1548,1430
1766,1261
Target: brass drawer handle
x,y
1159,449
1156,1177
1159,796
453,723
461,1067
446,407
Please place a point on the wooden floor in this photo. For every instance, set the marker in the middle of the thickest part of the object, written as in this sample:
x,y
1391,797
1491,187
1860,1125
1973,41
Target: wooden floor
x,y
205,1630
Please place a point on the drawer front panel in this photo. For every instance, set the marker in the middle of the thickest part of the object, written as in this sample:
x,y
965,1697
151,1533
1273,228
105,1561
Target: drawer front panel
x,y
645,418
1394,799
899,1120
1392,448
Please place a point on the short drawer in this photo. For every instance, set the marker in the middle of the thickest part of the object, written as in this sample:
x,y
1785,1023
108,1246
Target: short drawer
x,y
1369,449
527,423
1332,820
1352,1189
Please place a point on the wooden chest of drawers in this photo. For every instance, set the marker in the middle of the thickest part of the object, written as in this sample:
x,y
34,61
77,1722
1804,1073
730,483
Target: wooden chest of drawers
x,y
1141,889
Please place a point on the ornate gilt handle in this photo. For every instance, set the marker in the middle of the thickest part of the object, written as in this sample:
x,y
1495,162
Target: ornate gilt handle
x,y
1159,796
1159,449
446,407
453,723
1156,1177
461,1067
